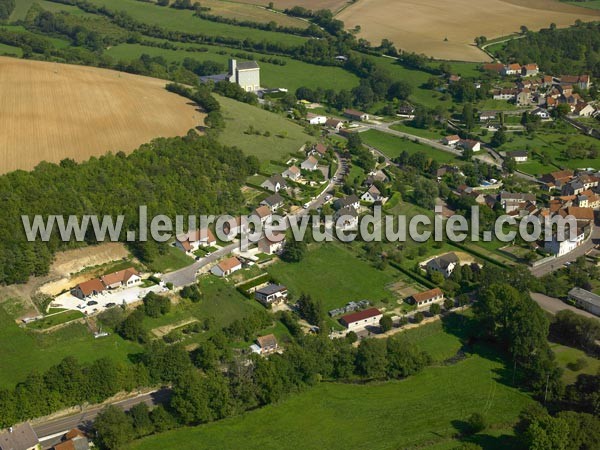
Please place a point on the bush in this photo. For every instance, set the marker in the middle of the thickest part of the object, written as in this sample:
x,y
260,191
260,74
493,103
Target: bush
x,y
476,423
578,365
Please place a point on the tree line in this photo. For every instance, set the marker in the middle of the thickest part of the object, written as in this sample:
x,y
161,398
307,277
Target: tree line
x,y
6,8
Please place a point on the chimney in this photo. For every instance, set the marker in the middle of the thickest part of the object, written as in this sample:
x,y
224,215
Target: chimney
x,y
232,70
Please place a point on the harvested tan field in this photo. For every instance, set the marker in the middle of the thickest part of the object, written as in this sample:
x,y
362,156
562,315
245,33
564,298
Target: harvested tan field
x,y
333,5
254,13
422,25
51,111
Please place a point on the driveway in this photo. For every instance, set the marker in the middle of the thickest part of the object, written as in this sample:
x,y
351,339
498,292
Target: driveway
x,y
554,305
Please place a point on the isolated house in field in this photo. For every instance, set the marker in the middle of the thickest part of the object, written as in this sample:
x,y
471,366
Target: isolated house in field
x,y
586,300
271,294
245,74
444,264
315,119
227,267
451,140
88,289
358,116
427,298
193,240
519,156
123,278
272,246
335,124
310,164
361,319
274,202
372,195
293,173
19,437
275,183
268,344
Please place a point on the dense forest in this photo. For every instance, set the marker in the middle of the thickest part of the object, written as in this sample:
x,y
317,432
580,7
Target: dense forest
x,y
6,8
190,175
574,50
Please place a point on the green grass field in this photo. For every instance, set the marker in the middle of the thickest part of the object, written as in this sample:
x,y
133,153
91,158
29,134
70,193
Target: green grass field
x,y
174,259
285,136
592,4
331,273
10,50
24,351
392,146
423,411
55,319
429,133
567,355
291,76
184,20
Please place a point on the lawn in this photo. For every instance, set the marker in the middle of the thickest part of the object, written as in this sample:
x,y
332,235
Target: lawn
x,y
285,136
329,273
405,127
55,319
292,75
422,411
392,146
10,50
185,21
567,355
24,351
174,259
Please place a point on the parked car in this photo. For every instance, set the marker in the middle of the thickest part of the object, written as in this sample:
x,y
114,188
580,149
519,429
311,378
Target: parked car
x,y
110,305
306,205
327,197
92,303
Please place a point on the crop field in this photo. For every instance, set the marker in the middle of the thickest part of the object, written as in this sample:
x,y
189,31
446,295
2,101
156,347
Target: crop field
x,y
185,21
283,136
329,273
251,12
427,26
377,416
392,146
291,76
107,111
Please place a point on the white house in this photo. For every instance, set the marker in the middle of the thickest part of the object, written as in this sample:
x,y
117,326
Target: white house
x,y
361,319
451,140
316,119
123,278
351,201
541,113
270,294
346,218
274,183
585,110
293,173
519,156
372,195
444,264
267,344
562,247
263,213
336,124
470,144
227,267
311,163
272,246
427,298
274,202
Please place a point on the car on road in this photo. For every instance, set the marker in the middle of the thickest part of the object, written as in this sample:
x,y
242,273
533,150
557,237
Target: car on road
x,y
306,205
92,303
327,197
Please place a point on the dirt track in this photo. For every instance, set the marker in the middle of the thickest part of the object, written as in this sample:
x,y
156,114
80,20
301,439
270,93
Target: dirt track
x,y
422,25
51,111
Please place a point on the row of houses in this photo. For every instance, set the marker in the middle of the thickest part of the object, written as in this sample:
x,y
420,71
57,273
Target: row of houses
x,y
123,278
526,70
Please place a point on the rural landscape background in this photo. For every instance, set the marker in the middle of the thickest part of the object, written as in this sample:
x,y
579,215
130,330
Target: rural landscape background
x,y
299,107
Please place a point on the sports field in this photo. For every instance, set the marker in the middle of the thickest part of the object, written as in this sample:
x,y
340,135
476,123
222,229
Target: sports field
x,y
446,30
54,111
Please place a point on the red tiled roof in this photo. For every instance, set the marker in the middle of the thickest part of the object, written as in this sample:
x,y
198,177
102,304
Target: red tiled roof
x,y
432,293
360,315
90,286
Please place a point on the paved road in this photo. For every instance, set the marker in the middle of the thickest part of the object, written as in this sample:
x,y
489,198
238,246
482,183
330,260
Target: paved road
x,y
85,418
558,263
554,305
187,275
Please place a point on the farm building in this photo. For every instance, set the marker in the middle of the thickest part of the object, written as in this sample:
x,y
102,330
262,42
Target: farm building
x,y
586,300
227,267
362,319
273,293
245,74
353,114
427,298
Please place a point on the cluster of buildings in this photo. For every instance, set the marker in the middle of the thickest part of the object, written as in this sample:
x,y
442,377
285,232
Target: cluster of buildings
x,y
527,70
547,93
23,437
123,278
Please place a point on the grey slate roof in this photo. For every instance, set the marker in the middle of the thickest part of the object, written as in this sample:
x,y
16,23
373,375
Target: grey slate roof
x,y
247,65
271,289
22,437
586,296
